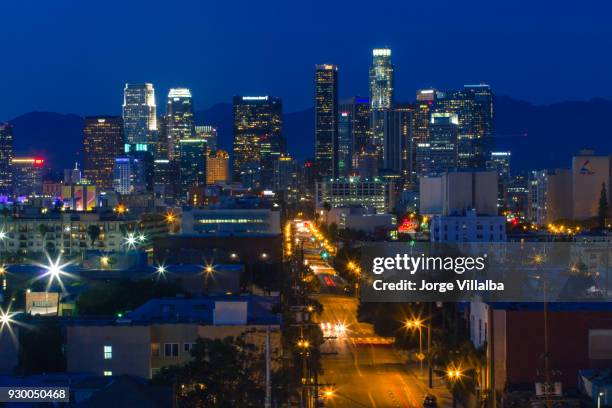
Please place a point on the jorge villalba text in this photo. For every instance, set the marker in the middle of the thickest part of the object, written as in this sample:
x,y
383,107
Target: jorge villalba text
x,y
465,285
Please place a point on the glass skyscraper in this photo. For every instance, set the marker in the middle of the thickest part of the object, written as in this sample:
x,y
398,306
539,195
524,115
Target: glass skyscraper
x,y
6,157
326,120
179,119
102,143
439,153
139,114
381,94
258,138
192,164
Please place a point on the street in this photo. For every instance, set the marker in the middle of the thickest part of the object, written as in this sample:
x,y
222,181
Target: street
x,y
365,371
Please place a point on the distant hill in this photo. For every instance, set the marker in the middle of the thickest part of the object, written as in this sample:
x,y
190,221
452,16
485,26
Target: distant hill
x,y
539,136
57,137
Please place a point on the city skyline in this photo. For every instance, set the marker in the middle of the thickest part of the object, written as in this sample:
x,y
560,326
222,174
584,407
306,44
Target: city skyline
x,y
539,69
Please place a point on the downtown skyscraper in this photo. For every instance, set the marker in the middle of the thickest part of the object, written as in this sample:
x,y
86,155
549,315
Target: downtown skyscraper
x,y
102,143
6,157
180,124
381,95
258,138
326,120
140,114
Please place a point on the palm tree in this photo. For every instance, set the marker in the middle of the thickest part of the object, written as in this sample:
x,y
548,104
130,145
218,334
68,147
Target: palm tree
x,y
327,208
93,231
43,229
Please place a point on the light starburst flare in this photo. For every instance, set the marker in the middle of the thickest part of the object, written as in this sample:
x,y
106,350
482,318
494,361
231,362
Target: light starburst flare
x,y
54,271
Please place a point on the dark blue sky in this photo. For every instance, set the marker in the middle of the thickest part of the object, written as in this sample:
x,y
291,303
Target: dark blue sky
x,y
75,55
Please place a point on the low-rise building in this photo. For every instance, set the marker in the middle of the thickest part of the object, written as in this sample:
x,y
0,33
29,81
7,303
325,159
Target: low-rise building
x,y
162,332
375,193
468,227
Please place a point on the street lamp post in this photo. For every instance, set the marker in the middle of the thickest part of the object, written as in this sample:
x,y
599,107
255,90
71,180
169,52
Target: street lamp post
x,y
454,375
417,324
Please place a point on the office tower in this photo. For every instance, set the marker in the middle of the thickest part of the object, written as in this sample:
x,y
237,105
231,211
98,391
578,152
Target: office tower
x,y
208,133
258,138
439,153
102,142
179,118
377,194
362,133
381,94
139,113
285,176
345,139
326,120
500,163
192,170
27,176
161,147
398,143
133,171
217,166
474,108
6,157
165,178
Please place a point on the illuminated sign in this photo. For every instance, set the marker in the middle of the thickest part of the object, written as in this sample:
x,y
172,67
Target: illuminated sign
x,y
254,98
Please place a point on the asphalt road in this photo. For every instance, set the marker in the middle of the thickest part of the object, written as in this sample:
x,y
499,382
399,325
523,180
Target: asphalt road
x,y
365,373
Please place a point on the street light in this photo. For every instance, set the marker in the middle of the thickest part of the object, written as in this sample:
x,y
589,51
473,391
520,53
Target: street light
x,y
454,375
416,324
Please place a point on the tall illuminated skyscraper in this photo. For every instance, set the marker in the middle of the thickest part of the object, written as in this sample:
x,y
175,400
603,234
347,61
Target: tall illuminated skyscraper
x,y
102,143
326,120
258,138
439,153
139,114
179,119
6,157
473,106
381,94
27,176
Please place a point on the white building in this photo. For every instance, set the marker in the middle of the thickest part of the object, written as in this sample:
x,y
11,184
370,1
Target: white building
x,y
230,221
468,228
374,193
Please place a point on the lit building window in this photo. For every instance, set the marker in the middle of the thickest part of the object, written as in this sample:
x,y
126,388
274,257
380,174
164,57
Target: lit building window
x,y
108,373
108,352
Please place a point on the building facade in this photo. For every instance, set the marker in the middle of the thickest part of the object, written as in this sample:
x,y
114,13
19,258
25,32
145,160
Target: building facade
x,y
6,158
217,167
374,193
381,94
27,176
326,120
140,113
102,143
179,119
258,138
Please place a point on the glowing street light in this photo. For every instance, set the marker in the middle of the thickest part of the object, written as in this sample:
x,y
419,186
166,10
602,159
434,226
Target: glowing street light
x,y
142,238
328,393
130,241
161,269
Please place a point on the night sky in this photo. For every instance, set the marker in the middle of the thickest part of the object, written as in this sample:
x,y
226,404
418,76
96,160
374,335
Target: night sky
x,y
74,56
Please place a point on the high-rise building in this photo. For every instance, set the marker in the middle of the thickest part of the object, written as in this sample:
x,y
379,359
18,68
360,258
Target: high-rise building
x,y
500,163
421,121
179,119
258,138
217,167
102,143
192,170
326,120
165,178
208,133
133,171
377,194
6,157
139,113
345,139
439,153
27,176
161,148
285,177
381,94
473,106
398,143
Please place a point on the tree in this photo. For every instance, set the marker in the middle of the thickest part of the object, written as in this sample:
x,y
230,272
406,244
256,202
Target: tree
x,y
223,373
93,231
44,230
603,207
